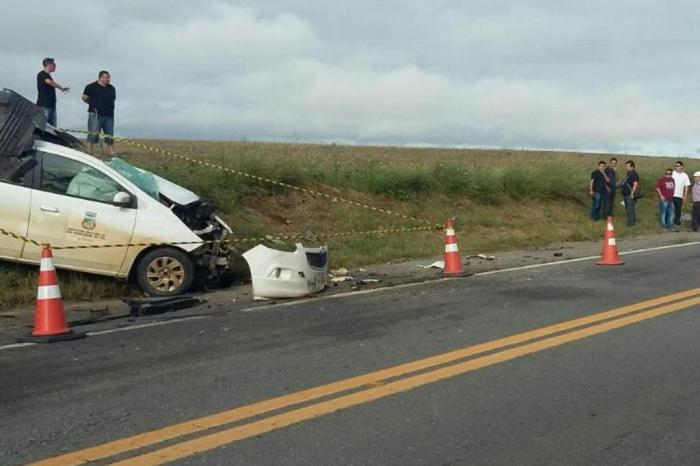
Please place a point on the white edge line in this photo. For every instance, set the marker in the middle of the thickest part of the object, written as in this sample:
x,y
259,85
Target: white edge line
x,y
658,248
115,330
16,345
363,292
536,266
136,327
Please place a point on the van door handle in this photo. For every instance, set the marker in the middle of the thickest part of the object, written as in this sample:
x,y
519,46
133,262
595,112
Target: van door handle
x,y
48,208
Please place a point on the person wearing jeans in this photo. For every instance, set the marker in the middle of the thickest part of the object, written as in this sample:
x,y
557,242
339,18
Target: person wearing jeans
x,y
665,187
99,123
628,187
597,188
46,91
681,192
611,174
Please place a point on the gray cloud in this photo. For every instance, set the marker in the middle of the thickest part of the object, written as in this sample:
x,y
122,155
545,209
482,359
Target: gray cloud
x,y
575,75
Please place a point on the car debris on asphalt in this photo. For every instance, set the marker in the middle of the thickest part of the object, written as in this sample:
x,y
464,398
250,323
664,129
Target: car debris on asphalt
x,y
435,265
281,274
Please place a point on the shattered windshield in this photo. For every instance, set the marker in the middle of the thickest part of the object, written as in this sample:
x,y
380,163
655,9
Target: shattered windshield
x,y
141,178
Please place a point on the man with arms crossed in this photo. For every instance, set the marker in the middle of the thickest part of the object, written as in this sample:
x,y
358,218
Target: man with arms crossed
x,y
46,90
100,97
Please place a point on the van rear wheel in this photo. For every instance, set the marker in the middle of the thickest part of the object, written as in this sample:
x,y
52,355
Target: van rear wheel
x,y
165,272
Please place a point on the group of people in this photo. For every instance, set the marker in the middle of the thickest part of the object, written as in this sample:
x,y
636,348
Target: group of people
x,y
672,190
604,184
99,97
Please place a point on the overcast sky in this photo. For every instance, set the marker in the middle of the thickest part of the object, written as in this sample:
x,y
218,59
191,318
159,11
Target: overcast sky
x,y
621,76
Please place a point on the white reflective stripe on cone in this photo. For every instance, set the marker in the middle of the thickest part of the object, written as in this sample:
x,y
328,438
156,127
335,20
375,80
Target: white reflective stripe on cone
x,y
610,227
46,265
48,292
451,248
450,232
611,242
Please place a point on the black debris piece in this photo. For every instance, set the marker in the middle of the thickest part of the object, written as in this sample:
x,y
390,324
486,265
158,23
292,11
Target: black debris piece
x,y
149,306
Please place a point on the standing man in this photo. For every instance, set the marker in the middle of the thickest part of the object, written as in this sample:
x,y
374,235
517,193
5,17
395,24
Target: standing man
x,y
681,191
597,187
100,97
611,174
46,90
629,188
665,187
695,199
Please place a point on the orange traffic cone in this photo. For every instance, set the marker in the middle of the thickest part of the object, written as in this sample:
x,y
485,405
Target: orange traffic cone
x,y
453,264
50,318
610,255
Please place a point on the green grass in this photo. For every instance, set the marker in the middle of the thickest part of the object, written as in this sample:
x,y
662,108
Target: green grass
x,y
502,199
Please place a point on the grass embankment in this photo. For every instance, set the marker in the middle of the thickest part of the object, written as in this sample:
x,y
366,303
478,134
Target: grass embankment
x,y
502,199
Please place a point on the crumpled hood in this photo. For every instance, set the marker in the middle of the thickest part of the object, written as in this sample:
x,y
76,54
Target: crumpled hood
x,y
175,192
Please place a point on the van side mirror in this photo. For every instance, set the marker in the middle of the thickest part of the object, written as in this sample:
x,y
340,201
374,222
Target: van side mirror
x,y
121,199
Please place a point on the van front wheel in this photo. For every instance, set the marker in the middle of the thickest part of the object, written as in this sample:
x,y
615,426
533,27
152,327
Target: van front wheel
x,y
165,272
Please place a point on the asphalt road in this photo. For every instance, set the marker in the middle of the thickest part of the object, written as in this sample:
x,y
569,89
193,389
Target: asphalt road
x,y
617,388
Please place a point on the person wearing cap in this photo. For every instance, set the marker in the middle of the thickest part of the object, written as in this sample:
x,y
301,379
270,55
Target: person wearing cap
x,y
695,199
680,193
46,90
665,187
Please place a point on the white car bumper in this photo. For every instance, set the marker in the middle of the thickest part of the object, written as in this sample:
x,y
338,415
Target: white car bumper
x,y
280,274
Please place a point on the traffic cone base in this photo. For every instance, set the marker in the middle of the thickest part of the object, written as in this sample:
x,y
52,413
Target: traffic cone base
x,y
70,335
457,274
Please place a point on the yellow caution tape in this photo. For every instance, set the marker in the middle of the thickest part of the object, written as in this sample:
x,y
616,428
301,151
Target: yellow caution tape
x,y
228,240
19,237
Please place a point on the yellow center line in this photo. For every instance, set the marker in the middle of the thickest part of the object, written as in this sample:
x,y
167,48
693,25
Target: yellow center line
x,y
209,442
219,419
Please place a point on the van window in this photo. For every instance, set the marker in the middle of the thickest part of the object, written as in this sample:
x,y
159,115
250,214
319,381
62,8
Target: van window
x,y
65,176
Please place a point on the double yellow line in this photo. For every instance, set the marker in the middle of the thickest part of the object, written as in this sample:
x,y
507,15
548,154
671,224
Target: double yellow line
x,y
308,404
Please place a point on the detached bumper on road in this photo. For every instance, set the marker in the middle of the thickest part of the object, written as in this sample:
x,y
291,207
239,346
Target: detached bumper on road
x,y
280,274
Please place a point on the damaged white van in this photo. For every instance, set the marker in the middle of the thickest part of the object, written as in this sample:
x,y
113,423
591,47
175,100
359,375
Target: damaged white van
x,y
52,193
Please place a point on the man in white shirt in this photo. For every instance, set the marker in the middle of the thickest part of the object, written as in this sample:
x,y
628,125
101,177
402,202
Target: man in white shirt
x,y
681,191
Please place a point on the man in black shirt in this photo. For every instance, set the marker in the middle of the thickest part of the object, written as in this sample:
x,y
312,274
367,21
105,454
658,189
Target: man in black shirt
x,y
598,187
46,90
611,173
628,187
100,97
